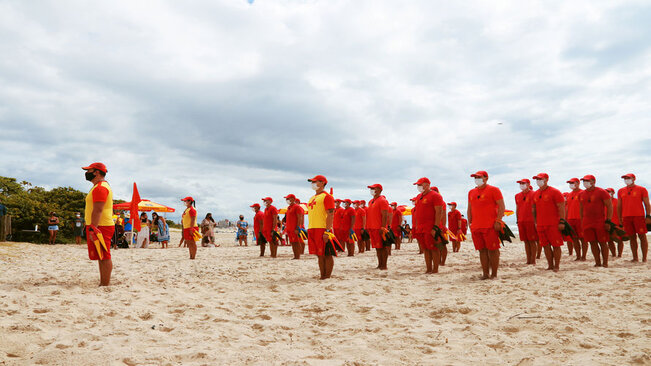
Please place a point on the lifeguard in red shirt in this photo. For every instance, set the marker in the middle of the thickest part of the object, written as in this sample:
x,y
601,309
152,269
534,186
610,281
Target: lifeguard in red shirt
x,y
633,200
616,251
396,224
258,220
341,235
485,212
454,225
573,213
367,242
596,208
427,214
548,210
320,217
293,221
526,224
360,224
347,225
270,222
377,221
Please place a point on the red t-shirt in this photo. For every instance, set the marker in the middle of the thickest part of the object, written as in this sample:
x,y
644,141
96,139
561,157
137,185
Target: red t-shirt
x,y
524,204
546,202
631,200
349,213
360,213
365,214
573,207
425,210
396,221
453,220
464,225
594,208
291,217
269,214
615,218
374,213
339,217
257,222
483,205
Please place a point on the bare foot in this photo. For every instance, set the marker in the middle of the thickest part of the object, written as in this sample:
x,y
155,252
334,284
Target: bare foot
x,y
605,266
555,269
484,277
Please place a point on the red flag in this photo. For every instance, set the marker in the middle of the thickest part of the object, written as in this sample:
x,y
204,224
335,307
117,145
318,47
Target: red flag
x,y
133,208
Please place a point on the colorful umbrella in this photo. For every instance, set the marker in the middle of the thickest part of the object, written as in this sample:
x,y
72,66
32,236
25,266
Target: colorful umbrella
x,y
144,205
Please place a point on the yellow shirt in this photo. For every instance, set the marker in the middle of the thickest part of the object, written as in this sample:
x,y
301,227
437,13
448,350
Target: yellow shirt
x,y
186,219
101,192
317,210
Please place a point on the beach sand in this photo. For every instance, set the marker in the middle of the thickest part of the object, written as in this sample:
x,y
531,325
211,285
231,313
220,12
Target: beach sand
x,y
231,307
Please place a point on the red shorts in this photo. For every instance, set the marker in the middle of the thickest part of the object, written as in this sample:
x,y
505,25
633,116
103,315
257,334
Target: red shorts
x,y
596,234
376,238
578,228
293,237
188,234
426,240
527,231
485,239
342,235
550,235
358,232
107,233
316,245
398,234
634,225
268,236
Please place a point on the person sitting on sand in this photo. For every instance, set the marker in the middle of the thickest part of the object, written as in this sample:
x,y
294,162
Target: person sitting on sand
x,y
548,211
242,231
320,217
427,214
190,228
596,208
53,227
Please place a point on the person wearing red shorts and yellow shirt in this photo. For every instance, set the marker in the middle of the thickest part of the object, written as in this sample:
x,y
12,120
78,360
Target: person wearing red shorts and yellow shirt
x,y
616,251
99,219
320,217
293,221
396,224
190,227
428,212
596,207
347,225
548,210
454,225
360,223
573,214
269,224
526,225
377,220
633,201
485,212
340,212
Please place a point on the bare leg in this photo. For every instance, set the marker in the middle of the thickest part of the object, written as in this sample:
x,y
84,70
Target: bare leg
x,y
570,246
584,249
192,247
557,258
105,268
360,246
604,254
527,250
379,257
368,245
329,265
577,248
494,259
594,246
538,249
262,247
351,249
444,254
634,248
398,242
428,261
620,247
611,246
273,246
296,248
436,260
644,245
322,266
483,258
533,248
549,255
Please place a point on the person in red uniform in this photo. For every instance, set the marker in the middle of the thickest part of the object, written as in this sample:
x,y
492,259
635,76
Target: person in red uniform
x,y
360,223
574,219
293,221
485,212
270,223
396,224
426,215
302,224
596,208
320,217
454,225
377,221
526,225
347,225
414,223
341,235
615,250
464,225
367,243
548,210
633,200
258,222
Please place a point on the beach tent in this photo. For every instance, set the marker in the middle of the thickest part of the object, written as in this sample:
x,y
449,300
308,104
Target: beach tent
x,y
144,205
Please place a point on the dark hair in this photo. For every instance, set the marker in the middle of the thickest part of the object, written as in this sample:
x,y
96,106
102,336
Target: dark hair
x,y
209,217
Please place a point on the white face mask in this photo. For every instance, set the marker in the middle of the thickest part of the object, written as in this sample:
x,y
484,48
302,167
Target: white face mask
x,y
288,202
628,181
267,203
524,187
612,195
315,186
372,192
421,189
479,182
540,182
572,185
587,184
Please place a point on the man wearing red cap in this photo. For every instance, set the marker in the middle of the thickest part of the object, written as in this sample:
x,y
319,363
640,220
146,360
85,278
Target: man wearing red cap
x,y
572,210
320,216
454,225
616,251
596,208
99,219
269,225
293,221
377,220
485,212
526,225
414,224
258,222
360,223
633,201
396,224
464,225
347,225
367,242
340,212
548,211
427,214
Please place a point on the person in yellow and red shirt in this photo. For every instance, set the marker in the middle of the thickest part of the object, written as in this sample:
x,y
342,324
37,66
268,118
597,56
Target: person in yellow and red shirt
x,y
548,211
347,225
360,224
633,201
616,251
377,222
270,223
485,212
320,216
573,212
190,227
596,208
454,225
396,224
99,219
340,212
293,221
427,215
524,215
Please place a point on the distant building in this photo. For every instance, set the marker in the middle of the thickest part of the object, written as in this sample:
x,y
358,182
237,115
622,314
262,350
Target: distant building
x,y
224,223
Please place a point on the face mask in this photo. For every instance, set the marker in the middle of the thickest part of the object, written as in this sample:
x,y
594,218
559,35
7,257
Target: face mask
x,y
540,182
89,176
523,187
587,184
420,189
572,186
479,182
288,202
612,195
372,192
628,182
241,217
315,186
266,204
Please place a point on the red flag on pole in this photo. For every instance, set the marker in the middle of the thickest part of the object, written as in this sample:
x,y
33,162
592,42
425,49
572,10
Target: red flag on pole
x,y
133,208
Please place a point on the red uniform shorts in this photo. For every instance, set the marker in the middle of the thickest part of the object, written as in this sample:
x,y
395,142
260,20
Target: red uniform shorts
x,y
107,233
596,234
426,240
485,239
398,234
188,233
293,237
527,231
376,238
550,235
316,245
634,225
268,236
358,233
342,235
576,225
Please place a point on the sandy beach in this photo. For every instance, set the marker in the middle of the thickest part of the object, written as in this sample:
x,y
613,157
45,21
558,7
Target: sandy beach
x,y
231,307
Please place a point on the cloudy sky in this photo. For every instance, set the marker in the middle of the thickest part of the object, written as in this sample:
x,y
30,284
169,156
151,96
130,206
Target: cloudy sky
x,y
230,101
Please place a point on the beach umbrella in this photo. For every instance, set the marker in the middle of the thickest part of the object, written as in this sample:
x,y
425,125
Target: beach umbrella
x,y
144,205
283,211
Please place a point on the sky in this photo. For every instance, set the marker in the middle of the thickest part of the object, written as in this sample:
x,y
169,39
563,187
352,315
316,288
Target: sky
x,y
230,101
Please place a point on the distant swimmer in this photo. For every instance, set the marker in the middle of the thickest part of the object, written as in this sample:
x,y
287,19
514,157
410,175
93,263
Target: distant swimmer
x,y
270,223
293,223
377,222
524,217
320,216
485,212
548,211
633,200
596,211
428,212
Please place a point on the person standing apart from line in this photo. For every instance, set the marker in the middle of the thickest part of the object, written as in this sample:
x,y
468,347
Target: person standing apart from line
x,y
524,215
454,225
99,219
320,217
485,212
573,215
360,223
633,201
428,212
78,227
548,211
269,225
377,220
596,208
293,221
52,227
258,224
190,227
242,231
615,251
396,221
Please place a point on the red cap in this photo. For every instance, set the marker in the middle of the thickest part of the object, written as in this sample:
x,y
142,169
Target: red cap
x,y
289,196
338,200
541,176
348,201
98,166
589,177
524,181
414,199
573,180
298,201
268,199
393,204
188,198
435,189
318,178
452,203
610,190
629,175
376,185
422,180
480,174
356,201
255,205
362,201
